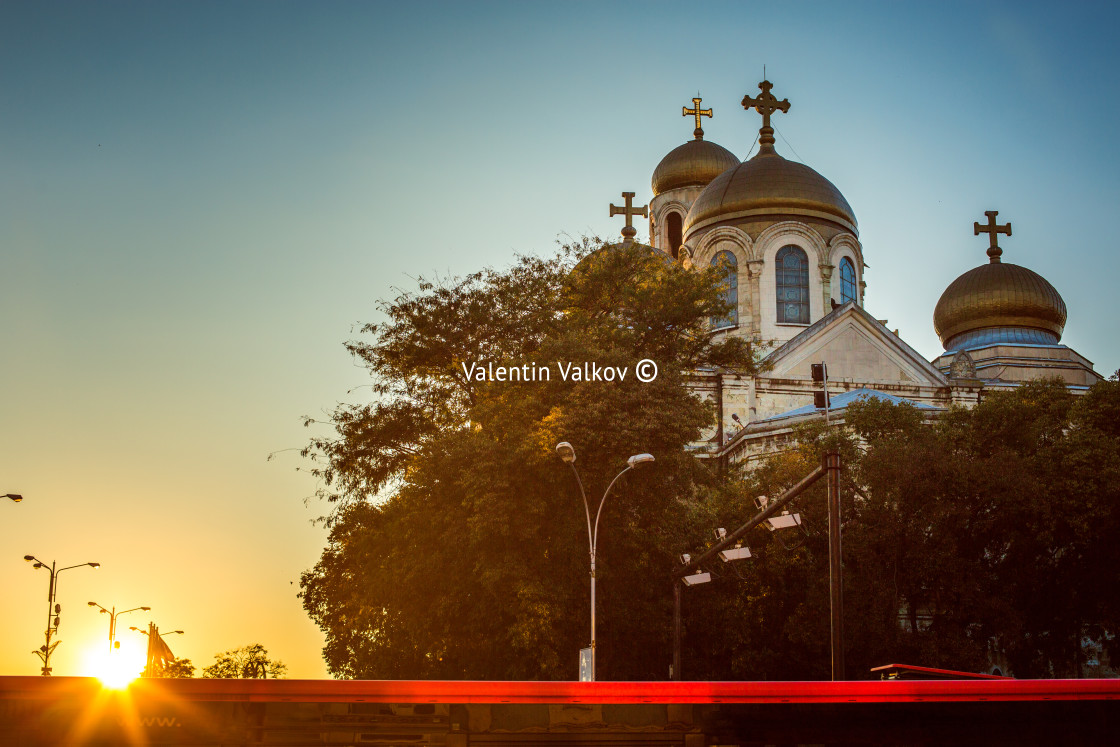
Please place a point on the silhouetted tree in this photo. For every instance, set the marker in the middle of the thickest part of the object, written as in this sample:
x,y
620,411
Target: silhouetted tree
x,y
459,546
245,662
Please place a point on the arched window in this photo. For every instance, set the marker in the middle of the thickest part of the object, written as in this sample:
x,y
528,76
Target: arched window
x,y
673,233
726,261
847,281
793,285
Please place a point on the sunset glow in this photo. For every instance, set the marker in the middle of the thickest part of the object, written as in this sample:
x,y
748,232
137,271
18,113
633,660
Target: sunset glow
x,y
115,670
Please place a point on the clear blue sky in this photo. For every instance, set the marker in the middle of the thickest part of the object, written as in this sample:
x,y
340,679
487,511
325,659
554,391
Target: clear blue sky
x,y
200,201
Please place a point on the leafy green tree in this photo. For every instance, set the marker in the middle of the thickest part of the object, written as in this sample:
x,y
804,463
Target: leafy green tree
x,y
245,662
458,545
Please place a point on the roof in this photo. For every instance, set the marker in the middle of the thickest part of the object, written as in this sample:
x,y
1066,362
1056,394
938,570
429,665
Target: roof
x,y
841,402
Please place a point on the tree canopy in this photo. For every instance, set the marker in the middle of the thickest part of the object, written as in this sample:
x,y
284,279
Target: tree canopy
x,y
986,536
458,545
243,662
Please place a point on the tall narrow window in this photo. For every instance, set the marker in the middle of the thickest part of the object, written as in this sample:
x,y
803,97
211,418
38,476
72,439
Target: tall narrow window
x,y
726,262
673,231
847,281
793,285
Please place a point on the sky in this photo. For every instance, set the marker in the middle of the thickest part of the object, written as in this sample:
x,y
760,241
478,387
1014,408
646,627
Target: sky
x,y
201,202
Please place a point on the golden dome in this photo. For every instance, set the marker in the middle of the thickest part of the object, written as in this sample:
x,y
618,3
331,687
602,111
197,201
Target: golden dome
x,y
695,163
769,185
998,296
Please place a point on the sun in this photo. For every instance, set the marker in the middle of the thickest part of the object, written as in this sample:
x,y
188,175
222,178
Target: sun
x,y
117,669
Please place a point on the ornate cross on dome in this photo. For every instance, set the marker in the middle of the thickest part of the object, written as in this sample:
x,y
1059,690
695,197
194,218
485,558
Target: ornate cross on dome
x,y
628,231
992,229
766,104
697,112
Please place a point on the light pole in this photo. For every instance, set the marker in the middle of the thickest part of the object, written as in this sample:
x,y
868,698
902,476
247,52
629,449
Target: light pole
x,y
113,621
45,652
568,454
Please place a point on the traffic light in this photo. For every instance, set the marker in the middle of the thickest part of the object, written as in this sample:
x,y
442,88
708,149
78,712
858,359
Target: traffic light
x,y
820,372
821,400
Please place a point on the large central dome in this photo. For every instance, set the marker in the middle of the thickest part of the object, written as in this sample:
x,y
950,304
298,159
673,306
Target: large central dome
x,y
769,185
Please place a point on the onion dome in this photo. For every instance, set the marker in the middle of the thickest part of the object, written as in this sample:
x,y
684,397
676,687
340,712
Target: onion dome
x,y
695,163
769,185
999,303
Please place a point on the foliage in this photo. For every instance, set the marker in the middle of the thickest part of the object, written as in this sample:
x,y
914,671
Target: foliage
x,y
985,535
458,547
245,662
179,669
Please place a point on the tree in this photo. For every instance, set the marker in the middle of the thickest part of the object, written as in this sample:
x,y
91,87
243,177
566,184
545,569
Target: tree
x,y
179,669
458,546
986,532
245,662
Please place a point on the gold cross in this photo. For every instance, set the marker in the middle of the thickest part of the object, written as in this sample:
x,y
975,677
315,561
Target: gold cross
x,y
697,112
766,104
628,231
992,229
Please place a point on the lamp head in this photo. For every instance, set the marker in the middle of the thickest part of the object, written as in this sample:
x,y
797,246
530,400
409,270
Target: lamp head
x,y
94,565
28,558
146,609
637,459
566,452
14,496
91,604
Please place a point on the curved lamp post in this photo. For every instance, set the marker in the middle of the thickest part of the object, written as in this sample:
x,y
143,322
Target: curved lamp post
x,y
45,652
113,614
568,454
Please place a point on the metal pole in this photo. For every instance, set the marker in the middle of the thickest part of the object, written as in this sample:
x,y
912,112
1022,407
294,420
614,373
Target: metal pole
x,y
592,614
835,584
677,630
50,609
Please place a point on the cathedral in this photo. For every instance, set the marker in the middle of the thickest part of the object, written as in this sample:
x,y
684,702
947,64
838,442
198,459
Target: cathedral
x,y
789,244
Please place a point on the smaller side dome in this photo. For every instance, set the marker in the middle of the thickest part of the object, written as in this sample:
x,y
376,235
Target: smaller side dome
x,y
696,163
1006,300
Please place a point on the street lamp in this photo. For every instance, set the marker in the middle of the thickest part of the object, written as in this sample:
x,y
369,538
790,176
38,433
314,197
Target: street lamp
x,y
14,496
113,621
45,651
568,454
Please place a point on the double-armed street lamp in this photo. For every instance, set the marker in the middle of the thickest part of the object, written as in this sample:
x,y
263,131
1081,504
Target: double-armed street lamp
x,y
144,632
568,454
53,609
113,614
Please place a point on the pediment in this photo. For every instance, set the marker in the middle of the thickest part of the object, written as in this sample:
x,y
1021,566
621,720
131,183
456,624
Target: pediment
x,y
857,348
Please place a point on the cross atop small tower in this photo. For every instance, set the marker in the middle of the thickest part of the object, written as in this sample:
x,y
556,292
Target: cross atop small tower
x,y
628,231
766,104
697,112
992,229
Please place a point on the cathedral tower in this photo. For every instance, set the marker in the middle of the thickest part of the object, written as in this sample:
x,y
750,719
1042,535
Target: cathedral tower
x,y
784,234
680,178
